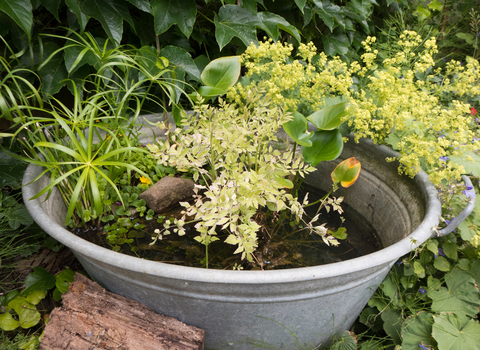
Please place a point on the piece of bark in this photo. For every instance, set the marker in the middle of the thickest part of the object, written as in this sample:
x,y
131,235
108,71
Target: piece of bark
x,y
92,318
167,193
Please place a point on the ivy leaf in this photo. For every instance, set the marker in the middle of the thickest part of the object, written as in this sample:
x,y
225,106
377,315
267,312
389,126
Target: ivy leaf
x,y
7,322
361,7
461,296
39,279
110,13
21,12
235,21
326,145
296,129
63,280
143,5
335,44
28,315
271,23
417,330
169,12
454,332
329,13
181,58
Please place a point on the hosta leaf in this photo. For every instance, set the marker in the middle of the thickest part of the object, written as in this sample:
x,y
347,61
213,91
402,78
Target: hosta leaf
x,y
222,73
181,58
417,330
20,11
454,332
39,279
271,23
169,12
329,118
110,13
235,21
326,145
336,44
296,129
461,296
7,322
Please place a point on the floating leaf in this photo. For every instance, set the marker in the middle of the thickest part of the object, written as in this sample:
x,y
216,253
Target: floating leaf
x,y
347,172
454,332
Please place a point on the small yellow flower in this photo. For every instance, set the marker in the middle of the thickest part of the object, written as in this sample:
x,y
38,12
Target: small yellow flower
x,y
144,180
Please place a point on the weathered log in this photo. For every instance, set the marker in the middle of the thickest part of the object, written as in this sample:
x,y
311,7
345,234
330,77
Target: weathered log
x,y
167,193
93,318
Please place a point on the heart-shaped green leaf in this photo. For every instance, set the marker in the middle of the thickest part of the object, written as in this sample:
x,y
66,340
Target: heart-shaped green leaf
x,y
7,322
296,129
28,315
36,296
454,332
326,145
39,279
330,117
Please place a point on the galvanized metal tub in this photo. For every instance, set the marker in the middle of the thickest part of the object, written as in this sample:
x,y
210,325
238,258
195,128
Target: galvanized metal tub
x,y
235,306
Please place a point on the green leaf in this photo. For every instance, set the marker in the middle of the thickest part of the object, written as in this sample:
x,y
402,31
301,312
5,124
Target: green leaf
x,y
422,13
284,182
11,170
143,5
52,7
417,330
471,166
235,21
222,73
110,13
329,118
454,332
271,23
469,38
419,270
345,342
169,12
392,324
336,44
181,58
76,57
81,17
28,315
432,245
326,145
296,129
63,280
19,215
461,296
7,322
53,73
389,288
329,13
39,279
36,296
341,233
450,250
21,12
300,4
436,5
441,264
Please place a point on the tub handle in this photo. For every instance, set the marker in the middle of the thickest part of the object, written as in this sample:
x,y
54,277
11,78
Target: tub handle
x,y
460,217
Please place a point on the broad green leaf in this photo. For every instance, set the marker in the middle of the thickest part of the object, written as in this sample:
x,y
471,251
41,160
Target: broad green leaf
x,y
454,332
39,279
329,13
363,8
7,322
53,73
76,57
469,38
52,7
461,296
235,21
471,166
36,296
208,92
63,280
222,73
20,11
181,58
417,330
340,233
419,269
250,5
81,17
297,130
300,4
271,23
432,245
329,118
169,12
475,270
143,5
336,44
17,216
110,13
11,170
392,324
326,145
284,182
450,250
436,5
422,13
389,288
441,264
28,315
